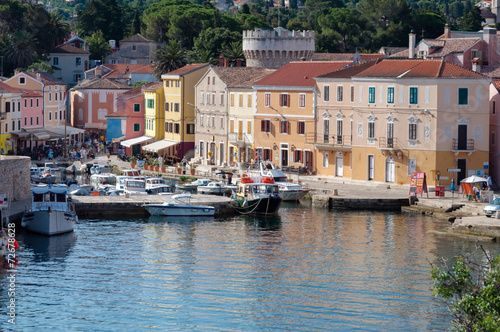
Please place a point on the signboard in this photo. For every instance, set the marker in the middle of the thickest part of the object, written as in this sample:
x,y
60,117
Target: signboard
x,y
485,165
454,170
418,184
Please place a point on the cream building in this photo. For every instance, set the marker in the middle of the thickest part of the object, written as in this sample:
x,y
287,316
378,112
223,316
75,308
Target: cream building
x,y
403,116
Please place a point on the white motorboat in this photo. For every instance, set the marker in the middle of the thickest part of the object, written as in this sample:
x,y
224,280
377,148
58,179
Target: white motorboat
x,y
141,187
192,186
179,205
76,168
102,181
257,197
45,175
53,167
217,188
50,212
288,191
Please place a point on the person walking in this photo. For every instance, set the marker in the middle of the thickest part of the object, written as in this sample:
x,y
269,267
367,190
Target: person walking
x,y
489,181
475,190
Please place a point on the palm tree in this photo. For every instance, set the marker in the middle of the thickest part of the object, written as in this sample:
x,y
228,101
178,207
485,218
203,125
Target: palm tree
x,y
57,29
168,58
233,52
202,56
19,50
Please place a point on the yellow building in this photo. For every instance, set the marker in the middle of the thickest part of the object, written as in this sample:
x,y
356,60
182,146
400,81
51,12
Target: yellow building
x,y
286,111
179,98
398,116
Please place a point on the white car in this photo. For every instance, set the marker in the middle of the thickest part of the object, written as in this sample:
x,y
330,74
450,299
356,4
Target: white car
x,y
492,208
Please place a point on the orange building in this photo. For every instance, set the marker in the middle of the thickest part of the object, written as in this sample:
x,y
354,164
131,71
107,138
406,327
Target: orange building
x,y
286,111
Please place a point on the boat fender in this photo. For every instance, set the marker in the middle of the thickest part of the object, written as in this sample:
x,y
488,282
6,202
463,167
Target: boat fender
x,y
13,243
23,223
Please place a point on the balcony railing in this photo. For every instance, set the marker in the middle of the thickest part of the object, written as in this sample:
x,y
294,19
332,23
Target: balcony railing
x,y
239,138
388,142
463,144
328,140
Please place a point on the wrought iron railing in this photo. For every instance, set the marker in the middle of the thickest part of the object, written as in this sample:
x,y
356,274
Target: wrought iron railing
x,y
463,144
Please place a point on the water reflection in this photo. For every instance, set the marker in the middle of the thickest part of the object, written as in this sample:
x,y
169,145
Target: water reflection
x,y
306,269
46,248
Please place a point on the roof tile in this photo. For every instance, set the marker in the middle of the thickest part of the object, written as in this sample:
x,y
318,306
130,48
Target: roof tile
x,y
241,77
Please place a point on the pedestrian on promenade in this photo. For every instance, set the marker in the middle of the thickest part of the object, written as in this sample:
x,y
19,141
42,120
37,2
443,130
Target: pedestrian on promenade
x,y
489,182
184,162
475,190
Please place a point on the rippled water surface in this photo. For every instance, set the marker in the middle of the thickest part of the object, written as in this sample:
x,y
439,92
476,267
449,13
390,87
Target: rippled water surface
x,y
305,270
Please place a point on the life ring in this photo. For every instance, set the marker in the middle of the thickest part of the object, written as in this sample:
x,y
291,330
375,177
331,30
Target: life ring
x,y
246,179
267,180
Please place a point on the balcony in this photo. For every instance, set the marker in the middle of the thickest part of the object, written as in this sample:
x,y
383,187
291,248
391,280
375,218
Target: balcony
x,y
239,138
329,142
388,143
462,145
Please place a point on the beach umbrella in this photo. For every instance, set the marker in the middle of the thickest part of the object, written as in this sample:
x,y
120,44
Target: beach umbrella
x,y
473,179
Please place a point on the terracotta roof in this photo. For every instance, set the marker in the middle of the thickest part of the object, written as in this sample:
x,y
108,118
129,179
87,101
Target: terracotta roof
x,y
67,48
101,83
490,71
138,90
7,88
445,46
120,68
241,77
137,38
154,86
496,84
344,56
45,78
301,73
30,93
350,71
417,68
187,69
486,13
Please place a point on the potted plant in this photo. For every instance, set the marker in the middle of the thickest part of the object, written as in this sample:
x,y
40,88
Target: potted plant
x,y
156,164
179,169
108,155
145,166
192,170
133,161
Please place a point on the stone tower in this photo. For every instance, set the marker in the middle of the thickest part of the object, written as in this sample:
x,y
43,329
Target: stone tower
x,y
277,47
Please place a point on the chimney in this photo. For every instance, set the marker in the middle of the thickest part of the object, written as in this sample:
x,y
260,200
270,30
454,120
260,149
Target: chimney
x,y
447,31
411,48
491,57
221,60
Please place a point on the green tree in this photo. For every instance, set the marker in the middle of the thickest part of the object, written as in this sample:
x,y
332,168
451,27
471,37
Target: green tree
x,y
233,52
245,9
103,15
19,49
12,16
429,24
471,21
41,66
346,25
472,292
136,23
213,39
203,56
98,46
168,58
139,83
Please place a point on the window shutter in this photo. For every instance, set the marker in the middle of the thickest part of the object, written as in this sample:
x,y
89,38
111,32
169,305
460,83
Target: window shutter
x,y
287,100
287,125
281,100
262,125
298,127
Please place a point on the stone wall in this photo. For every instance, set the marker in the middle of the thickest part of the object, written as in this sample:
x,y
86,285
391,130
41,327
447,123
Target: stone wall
x,y
15,177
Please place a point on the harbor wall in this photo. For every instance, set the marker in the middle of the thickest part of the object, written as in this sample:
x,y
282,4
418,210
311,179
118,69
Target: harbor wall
x,y
15,177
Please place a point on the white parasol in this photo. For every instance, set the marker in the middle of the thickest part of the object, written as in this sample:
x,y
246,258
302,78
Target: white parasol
x,y
473,179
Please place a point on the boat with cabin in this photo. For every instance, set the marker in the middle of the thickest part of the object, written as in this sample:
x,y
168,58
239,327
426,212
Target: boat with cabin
x,y
179,205
217,188
51,213
289,191
253,197
192,186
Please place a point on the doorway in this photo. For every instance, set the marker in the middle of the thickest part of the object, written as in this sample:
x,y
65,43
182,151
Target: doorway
x,y
371,166
339,164
462,137
462,165
284,155
390,169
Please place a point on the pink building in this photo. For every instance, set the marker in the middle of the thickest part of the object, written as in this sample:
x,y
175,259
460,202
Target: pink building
x,y
31,109
93,100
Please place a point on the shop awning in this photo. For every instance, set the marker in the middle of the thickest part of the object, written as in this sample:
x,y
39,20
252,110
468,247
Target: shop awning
x,y
60,130
41,136
117,140
159,145
133,141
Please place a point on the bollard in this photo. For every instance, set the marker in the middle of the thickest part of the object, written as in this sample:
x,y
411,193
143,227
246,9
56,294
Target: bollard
x,y
497,215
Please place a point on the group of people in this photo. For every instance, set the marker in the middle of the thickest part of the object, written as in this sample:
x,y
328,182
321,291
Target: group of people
x,y
486,185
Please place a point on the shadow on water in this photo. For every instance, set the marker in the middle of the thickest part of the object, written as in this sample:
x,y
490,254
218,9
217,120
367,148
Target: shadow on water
x,y
178,219
46,248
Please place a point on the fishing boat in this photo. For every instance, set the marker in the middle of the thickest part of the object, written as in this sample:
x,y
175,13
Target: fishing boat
x,y
254,197
289,191
50,212
179,205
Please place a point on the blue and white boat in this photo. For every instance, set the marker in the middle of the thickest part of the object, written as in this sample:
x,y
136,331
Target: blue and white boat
x,y
50,212
179,205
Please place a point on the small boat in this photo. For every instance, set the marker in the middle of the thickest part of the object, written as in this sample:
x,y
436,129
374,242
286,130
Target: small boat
x,y
46,175
142,187
192,186
53,167
217,188
257,198
50,212
101,181
179,205
289,191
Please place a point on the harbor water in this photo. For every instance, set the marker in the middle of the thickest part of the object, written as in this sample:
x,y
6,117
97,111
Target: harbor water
x,y
307,269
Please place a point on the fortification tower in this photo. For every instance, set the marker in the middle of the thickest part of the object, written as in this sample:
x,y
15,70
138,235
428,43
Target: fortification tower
x,y
277,47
